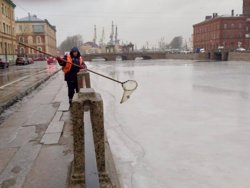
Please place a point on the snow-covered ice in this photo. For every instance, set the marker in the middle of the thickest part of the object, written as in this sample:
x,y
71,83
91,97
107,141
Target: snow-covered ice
x,y
186,126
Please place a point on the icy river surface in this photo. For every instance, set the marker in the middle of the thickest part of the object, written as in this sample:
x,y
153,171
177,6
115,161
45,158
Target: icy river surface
x,y
186,126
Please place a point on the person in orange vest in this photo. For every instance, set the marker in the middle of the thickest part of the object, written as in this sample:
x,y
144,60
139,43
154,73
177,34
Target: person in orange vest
x,y
71,65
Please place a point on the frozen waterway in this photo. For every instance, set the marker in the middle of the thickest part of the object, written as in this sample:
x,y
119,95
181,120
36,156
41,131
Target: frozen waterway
x,y
187,125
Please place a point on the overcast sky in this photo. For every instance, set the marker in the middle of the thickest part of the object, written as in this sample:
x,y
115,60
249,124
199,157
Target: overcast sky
x,y
138,20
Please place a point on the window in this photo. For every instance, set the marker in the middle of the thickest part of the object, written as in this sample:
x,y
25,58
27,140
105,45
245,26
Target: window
x,y
2,8
38,40
20,28
22,50
4,27
232,26
240,26
1,47
225,26
21,39
5,11
38,28
30,39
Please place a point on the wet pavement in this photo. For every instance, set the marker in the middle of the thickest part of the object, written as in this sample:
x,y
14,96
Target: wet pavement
x,y
187,125
25,160
16,72
18,81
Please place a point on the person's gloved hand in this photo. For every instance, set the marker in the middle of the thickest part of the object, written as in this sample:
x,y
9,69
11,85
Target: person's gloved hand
x,y
83,66
59,59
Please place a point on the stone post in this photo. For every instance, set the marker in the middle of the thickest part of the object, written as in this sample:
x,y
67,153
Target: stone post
x,y
97,118
77,110
83,79
87,99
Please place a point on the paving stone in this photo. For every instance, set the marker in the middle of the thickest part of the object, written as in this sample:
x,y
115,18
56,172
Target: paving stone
x,y
5,157
55,127
43,114
64,107
23,161
16,137
50,169
51,138
58,116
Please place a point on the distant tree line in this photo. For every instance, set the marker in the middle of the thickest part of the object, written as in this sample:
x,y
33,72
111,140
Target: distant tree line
x,y
70,42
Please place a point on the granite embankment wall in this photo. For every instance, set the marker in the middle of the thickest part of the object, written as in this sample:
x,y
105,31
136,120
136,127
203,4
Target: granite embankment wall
x,y
239,56
190,56
232,56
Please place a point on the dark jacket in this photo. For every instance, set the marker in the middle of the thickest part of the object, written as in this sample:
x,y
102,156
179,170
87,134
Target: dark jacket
x,y
72,74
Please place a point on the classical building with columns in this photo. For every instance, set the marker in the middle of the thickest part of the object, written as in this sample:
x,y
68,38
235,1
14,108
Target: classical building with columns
x,y
35,32
7,30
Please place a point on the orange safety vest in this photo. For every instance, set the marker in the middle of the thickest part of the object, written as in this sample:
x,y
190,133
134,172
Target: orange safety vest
x,y
69,64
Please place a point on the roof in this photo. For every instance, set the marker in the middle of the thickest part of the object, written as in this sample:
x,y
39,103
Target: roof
x,y
34,19
30,18
220,17
92,44
11,3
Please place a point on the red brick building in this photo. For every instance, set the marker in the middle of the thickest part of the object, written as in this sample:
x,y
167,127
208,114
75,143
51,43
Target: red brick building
x,y
227,32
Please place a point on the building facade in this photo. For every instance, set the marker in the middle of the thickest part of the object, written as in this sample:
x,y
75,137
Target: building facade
x,y
246,8
7,30
223,32
35,32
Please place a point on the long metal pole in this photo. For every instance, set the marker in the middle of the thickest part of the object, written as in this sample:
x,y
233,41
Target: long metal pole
x,y
104,76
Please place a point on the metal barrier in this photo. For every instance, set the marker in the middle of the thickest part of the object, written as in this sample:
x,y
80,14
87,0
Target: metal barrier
x,y
88,168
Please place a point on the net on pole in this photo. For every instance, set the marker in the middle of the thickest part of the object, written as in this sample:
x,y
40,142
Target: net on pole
x,y
128,88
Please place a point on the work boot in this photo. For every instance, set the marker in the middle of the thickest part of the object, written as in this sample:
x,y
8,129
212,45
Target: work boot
x,y
70,103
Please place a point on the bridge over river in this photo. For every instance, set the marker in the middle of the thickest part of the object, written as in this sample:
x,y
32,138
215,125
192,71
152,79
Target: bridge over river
x,y
125,56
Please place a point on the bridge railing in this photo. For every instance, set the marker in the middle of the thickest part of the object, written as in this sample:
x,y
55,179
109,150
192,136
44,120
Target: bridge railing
x,y
88,167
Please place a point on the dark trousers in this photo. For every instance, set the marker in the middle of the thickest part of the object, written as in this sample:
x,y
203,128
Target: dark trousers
x,y
72,88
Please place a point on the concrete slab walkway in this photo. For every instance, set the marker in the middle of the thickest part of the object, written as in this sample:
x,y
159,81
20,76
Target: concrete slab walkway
x,y
36,140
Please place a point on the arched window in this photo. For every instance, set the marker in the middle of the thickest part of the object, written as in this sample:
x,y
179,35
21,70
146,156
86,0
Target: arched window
x,y
22,51
21,39
30,39
38,40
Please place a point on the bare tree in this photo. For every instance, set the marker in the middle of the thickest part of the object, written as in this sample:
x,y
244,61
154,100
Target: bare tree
x,y
162,44
70,42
